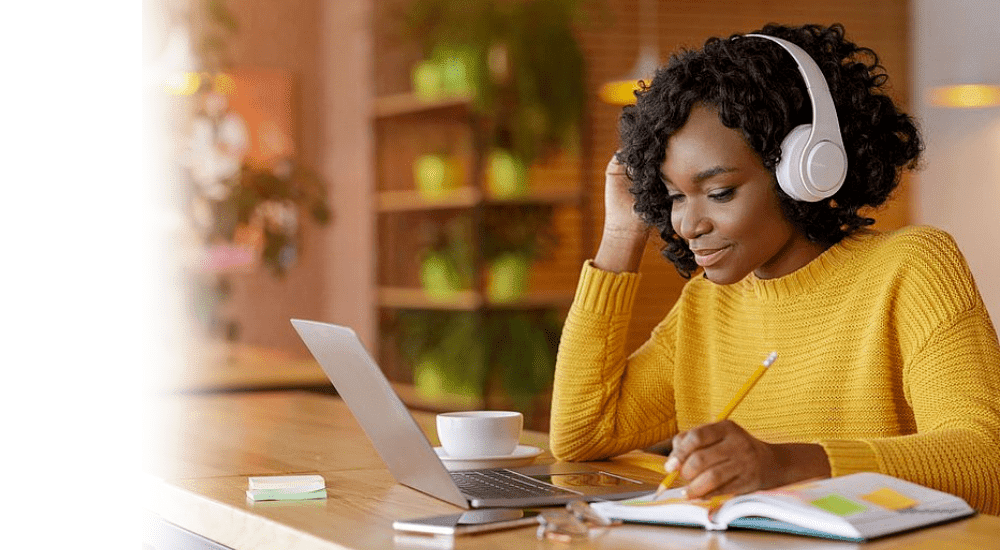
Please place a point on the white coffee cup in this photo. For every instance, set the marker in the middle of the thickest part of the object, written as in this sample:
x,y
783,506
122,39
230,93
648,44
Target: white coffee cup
x,y
473,434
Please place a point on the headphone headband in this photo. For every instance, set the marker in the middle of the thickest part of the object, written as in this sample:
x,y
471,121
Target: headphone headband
x,y
820,166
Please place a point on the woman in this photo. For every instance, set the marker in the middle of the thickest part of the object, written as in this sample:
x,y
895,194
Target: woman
x,y
887,359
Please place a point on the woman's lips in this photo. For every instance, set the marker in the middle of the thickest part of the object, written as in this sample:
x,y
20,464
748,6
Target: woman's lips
x,y
706,257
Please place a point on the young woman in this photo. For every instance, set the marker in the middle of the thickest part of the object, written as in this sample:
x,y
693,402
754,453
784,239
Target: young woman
x,y
887,359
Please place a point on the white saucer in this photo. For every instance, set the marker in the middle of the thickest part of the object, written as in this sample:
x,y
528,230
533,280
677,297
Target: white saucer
x,y
522,456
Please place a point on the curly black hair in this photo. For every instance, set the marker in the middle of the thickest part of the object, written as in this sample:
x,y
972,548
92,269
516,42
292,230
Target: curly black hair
x,y
756,87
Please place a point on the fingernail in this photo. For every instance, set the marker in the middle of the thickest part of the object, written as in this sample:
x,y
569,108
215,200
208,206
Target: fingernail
x,y
684,493
672,464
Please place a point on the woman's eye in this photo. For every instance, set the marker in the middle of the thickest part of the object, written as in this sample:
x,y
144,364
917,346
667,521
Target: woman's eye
x,y
675,197
722,195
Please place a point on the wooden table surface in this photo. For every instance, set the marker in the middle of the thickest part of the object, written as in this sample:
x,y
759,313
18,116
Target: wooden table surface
x,y
205,446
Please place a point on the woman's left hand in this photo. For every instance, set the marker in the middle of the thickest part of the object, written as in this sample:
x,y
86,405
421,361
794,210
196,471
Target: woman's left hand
x,y
723,458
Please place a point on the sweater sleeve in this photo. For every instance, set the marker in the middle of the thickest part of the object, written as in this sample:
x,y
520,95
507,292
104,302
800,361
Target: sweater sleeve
x,y
951,383
953,387
604,402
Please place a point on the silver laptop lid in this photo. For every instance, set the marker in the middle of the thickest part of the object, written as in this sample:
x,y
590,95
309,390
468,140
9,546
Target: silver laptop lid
x,y
382,415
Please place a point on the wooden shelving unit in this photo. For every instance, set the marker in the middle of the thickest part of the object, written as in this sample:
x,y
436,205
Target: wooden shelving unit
x,y
409,105
469,300
406,127
468,197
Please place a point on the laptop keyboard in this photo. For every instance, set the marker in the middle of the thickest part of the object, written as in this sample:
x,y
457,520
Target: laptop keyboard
x,y
503,484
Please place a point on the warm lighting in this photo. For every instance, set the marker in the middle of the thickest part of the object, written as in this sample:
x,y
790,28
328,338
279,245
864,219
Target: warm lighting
x,y
183,83
224,84
622,91
966,95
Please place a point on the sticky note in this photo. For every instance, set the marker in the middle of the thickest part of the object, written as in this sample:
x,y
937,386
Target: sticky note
x,y
888,498
839,505
297,483
278,494
300,487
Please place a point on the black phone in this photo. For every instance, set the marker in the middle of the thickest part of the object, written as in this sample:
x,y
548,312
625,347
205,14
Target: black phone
x,y
473,521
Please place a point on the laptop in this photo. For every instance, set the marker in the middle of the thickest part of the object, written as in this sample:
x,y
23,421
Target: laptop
x,y
412,461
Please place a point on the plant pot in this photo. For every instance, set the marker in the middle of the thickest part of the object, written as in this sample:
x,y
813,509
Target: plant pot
x,y
427,80
429,379
506,175
434,380
436,175
439,277
508,277
457,66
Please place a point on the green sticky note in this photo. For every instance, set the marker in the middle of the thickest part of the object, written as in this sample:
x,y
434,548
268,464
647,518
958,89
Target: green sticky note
x,y
280,494
839,505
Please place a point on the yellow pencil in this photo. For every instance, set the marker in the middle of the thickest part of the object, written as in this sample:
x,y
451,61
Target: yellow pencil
x,y
750,383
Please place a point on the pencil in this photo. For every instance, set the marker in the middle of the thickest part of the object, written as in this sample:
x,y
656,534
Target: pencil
x,y
750,383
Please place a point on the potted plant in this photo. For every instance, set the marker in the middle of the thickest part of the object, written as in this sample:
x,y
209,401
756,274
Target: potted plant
x,y
471,355
522,70
446,265
518,62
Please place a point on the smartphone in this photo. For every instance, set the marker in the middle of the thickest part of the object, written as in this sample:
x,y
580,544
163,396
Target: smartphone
x,y
473,521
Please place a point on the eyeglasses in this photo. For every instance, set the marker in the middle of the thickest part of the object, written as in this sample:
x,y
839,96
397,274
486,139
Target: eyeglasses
x,y
577,521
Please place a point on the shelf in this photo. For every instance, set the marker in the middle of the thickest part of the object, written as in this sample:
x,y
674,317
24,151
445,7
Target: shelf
x,y
466,197
539,420
401,201
468,300
409,395
409,104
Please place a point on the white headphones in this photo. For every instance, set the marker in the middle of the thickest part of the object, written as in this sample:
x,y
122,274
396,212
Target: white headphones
x,y
813,163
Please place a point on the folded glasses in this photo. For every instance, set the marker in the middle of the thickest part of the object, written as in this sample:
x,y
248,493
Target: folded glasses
x,y
577,521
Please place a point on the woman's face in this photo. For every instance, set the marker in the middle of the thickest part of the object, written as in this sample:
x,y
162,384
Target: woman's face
x,y
725,205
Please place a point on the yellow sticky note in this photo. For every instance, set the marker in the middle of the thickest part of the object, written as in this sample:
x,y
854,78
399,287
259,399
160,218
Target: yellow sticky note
x,y
888,498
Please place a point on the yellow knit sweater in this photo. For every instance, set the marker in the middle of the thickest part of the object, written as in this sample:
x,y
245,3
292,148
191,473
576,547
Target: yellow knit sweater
x,y
886,357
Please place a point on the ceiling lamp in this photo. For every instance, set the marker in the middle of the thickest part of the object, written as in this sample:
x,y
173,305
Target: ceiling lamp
x,y
622,91
966,95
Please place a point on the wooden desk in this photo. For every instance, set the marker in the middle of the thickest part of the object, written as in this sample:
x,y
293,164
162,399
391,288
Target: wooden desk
x,y
214,366
207,445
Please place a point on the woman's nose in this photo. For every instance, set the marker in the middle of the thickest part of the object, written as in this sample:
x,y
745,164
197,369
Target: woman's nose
x,y
693,222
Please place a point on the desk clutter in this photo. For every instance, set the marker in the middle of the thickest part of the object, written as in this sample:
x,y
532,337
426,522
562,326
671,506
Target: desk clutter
x,y
297,487
199,487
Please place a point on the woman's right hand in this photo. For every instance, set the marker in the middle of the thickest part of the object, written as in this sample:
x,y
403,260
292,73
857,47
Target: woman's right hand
x,y
624,238
619,204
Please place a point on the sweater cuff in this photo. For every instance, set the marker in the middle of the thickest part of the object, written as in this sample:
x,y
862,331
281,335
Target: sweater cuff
x,y
605,292
848,457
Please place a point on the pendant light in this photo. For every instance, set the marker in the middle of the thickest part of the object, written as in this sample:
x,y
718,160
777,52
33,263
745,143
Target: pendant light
x,y
972,78
622,91
976,95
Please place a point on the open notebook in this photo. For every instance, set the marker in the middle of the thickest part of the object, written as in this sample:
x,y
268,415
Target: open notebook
x,y
854,507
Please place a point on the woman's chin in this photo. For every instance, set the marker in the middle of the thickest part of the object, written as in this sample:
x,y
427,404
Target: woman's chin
x,y
722,276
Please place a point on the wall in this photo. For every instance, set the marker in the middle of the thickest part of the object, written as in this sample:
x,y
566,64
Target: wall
x,y
326,47
959,187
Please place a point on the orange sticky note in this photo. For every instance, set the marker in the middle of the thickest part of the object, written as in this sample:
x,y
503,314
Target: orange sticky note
x,y
888,498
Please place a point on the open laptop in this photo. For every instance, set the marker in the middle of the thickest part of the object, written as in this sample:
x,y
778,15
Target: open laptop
x,y
411,459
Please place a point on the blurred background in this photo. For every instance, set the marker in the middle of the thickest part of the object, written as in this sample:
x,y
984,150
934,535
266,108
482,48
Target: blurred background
x,y
430,172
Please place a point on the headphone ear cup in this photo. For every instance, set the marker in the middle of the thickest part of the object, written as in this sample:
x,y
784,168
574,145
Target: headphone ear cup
x,y
788,171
